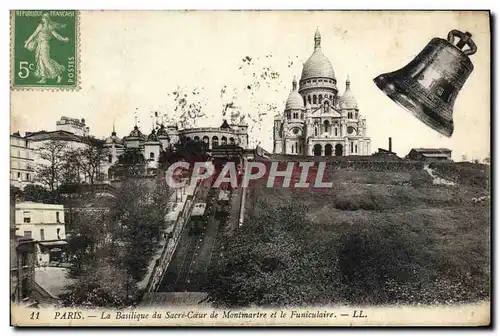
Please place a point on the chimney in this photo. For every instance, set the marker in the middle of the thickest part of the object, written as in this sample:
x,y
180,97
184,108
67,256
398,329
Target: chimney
x,y
390,144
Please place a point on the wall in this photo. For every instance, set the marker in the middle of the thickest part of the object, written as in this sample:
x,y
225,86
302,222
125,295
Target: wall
x,y
18,271
42,216
39,213
21,162
50,231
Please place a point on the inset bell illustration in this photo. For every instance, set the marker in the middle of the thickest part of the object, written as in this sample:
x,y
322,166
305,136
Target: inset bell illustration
x,y
430,83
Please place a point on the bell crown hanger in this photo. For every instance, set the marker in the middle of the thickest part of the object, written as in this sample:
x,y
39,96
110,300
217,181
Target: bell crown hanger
x,y
464,40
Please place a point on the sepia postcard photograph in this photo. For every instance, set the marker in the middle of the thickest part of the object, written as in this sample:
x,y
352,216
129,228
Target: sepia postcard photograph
x,y
250,168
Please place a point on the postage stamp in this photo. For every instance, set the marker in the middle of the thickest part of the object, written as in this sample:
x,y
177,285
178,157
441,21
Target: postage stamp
x,y
44,49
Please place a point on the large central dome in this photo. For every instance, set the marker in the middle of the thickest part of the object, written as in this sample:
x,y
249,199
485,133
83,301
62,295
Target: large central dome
x,y
317,65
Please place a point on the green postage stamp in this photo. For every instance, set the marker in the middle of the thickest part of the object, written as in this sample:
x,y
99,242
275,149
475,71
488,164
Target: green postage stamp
x,y
44,49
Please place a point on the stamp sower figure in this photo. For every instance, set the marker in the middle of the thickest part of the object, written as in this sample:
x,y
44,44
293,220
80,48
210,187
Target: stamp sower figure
x,y
39,42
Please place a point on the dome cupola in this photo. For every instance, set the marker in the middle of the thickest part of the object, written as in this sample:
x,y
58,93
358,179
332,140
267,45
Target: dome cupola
x,y
136,133
317,66
295,100
152,137
347,100
113,139
162,132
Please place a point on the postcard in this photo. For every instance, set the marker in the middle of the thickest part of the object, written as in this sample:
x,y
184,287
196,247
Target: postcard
x,y
250,168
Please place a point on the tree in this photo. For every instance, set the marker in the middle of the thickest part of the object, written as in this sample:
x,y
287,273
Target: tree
x,y
89,231
71,174
91,158
50,171
268,263
39,194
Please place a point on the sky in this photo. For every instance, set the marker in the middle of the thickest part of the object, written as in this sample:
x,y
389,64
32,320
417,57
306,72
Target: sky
x,y
131,62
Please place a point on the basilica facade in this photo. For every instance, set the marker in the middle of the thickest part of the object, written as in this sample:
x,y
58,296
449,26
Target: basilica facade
x,y
316,119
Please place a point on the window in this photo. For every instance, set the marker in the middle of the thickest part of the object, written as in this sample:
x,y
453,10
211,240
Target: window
x,y
110,158
58,232
231,141
315,131
18,175
336,131
355,148
349,115
309,99
27,176
223,140
352,147
26,144
320,99
151,156
314,99
26,217
295,115
326,123
42,234
302,115
57,217
288,114
27,234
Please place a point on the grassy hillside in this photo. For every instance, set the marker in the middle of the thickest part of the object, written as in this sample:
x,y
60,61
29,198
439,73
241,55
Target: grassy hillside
x,y
374,238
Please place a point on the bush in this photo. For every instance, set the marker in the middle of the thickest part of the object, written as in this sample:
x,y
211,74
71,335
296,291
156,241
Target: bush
x,y
464,173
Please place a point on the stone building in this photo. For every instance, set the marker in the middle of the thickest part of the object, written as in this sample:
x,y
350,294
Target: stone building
x,y
21,161
22,263
25,150
164,137
429,154
316,119
45,224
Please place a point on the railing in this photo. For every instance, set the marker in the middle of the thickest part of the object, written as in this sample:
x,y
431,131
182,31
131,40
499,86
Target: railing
x,y
163,261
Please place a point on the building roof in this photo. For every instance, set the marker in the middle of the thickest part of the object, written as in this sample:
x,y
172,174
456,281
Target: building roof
x,y
347,100
136,133
53,135
317,65
431,150
295,100
152,137
162,132
34,205
113,138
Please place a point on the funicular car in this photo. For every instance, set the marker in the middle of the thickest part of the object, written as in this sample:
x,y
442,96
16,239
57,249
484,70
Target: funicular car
x,y
198,220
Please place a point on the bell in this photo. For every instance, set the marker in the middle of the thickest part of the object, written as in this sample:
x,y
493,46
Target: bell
x,y
429,84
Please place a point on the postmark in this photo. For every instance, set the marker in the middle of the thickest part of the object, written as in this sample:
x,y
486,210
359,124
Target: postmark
x,y
44,50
